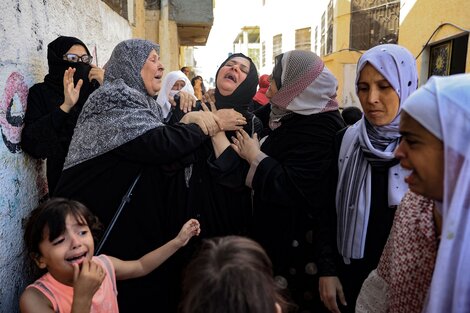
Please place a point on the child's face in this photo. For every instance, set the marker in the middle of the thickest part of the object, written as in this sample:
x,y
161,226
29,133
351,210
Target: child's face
x,y
73,246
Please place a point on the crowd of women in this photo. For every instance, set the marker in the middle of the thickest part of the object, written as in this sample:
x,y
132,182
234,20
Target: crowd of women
x,y
375,213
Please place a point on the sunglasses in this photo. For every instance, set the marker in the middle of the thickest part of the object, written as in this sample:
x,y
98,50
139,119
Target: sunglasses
x,y
72,57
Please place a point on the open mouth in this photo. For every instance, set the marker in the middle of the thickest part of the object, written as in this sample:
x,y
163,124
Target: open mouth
x,y
231,77
77,259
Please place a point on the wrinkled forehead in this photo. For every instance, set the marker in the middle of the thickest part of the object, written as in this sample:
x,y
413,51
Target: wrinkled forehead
x,y
239,60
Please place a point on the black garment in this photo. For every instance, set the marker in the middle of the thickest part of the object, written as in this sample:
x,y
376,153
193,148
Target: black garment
x,y
290,190
213,190
47,129
147,221
380,222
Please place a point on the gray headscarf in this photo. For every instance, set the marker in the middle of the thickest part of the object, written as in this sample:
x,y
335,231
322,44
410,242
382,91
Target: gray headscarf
x,y
121,110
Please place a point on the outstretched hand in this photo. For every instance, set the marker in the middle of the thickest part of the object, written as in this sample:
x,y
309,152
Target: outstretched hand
x,y
190,228
71,92
245,146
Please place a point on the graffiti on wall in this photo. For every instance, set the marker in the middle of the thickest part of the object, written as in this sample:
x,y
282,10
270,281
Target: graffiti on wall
x,y
12,108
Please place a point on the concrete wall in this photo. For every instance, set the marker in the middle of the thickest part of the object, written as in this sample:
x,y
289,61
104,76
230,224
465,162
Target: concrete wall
x,y
27,26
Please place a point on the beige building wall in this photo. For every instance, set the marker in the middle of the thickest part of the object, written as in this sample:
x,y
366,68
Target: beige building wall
x,y
420,18
138,26
165,33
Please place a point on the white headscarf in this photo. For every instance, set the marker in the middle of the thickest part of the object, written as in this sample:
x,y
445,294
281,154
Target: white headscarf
x,y
364,143
449,100
165,92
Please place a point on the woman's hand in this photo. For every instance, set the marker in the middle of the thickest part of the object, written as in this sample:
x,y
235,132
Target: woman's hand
x,y
71,92
190,228
96,73
209,97
187,101
245,146
330,288
227,119
207,121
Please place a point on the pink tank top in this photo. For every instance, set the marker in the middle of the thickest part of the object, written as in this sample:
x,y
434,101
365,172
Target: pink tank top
x,y
61,296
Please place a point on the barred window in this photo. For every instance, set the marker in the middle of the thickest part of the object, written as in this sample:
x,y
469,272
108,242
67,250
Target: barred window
x,y
303,39
329,34
374,22
277,45
316,40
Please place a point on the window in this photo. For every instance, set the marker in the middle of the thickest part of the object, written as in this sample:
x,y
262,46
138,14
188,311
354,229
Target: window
x,y
329,34
253,54
303,39
374,22
449,57
316,40
263,54
277,45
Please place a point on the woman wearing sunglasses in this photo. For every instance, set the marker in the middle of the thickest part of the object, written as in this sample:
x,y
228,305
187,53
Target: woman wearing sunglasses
x,y
50,117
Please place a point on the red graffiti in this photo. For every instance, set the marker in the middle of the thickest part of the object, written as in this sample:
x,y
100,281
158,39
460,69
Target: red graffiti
x,y
12,124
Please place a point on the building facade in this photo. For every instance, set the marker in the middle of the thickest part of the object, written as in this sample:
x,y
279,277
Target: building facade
x,y
341,30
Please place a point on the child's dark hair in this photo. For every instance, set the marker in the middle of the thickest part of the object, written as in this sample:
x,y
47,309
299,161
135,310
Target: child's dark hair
x,y
53,214
230,274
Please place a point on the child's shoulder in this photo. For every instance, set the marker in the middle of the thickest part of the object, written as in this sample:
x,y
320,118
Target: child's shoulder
x,y
34,300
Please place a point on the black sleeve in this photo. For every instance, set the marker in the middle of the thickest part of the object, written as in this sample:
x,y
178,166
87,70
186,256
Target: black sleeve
x,y
300,174
42,125
163,144
328,255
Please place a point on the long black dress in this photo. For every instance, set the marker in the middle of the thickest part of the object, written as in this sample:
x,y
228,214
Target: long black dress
x,y
290,189
47,129
147,221
380,222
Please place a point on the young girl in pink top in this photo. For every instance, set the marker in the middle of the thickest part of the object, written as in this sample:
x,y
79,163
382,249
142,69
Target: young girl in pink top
x,y
59,238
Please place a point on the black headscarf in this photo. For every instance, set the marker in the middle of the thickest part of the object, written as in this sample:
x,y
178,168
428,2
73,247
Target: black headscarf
x,y
277,70
242,98
57,66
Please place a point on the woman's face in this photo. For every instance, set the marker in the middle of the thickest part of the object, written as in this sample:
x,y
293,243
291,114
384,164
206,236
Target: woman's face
x,y
79,50
179,84
152,73
272,89
232,74
423,154
379,100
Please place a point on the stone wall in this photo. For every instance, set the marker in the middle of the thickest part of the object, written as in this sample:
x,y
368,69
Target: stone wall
x,y
26,28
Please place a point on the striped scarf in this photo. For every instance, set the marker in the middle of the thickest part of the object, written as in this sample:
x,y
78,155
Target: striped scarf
x,y
361,148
